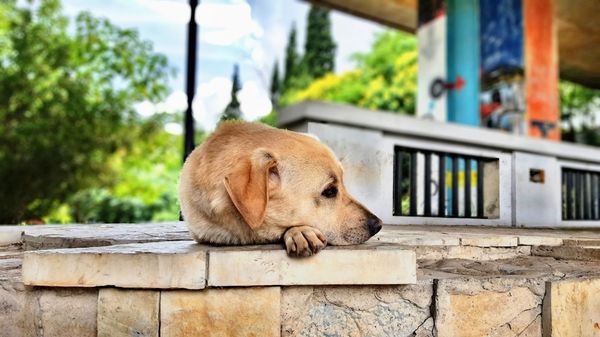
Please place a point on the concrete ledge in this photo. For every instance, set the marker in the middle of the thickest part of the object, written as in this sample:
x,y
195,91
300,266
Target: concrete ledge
x,y
184,265
175,264
332,266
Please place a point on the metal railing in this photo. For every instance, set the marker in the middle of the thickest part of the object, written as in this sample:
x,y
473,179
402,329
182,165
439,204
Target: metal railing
x,y
580,194
447,184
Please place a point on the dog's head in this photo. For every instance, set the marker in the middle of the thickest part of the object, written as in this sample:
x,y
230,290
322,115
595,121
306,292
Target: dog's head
x,y
299,182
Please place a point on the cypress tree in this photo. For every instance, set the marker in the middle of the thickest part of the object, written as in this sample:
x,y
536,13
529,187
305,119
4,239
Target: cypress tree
x,y
232,111
319,49
291,59
275,82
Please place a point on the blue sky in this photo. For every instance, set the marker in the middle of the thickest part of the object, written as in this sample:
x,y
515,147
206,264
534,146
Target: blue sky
x,y
252,33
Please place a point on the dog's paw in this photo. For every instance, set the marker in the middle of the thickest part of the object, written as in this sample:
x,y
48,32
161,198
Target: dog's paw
x,y
303,241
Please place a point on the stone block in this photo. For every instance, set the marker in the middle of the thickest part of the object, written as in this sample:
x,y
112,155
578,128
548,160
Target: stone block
x,y
532,240
375,311
12,299
60,312
125,313
493,307
572,308
470,252
10,235
584,253
96,235
171,264
239,312
489,241
356,265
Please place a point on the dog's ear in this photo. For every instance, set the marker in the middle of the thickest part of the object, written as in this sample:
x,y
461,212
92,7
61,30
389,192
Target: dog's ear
x,y
248,185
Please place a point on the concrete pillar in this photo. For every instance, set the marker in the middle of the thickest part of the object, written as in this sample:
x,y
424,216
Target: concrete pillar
x,y
463,61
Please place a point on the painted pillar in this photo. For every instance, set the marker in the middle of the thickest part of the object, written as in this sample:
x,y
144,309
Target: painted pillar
x,y
463,61
502,94
432,74
541,69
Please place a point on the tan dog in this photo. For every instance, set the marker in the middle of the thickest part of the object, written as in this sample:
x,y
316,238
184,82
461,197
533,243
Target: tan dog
x,y
249,183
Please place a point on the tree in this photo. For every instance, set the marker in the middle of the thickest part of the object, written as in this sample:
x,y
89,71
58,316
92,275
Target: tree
x,y
385,78
292,60
579,105
319,48
275,83
66,102
232,111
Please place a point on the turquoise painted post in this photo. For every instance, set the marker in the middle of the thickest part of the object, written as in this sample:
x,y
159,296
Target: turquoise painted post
x,y
463,61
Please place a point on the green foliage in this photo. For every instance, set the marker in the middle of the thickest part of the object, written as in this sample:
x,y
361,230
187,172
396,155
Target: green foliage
x,y
319,49
385,78
232,110
579,105
66,103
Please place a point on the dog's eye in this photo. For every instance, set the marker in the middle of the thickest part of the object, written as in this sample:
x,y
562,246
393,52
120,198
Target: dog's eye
x,y
330,192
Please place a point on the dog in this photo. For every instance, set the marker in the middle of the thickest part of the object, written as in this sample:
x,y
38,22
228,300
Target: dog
x,y
250,183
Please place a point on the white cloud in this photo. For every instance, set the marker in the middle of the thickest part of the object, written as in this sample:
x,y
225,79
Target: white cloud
x,y
145,108
254,101
176,102
174,128
224,24
211,99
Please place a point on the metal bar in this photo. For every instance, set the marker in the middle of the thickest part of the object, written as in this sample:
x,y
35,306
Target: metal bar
x,y
569,195
467,187
579,195
586,195
480,188
192,47
564,193
427,190
594,184
597,196
442,185
413,183
454,186
398,193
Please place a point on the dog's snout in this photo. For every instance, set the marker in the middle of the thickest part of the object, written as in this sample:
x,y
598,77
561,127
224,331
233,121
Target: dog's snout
x,y
374,225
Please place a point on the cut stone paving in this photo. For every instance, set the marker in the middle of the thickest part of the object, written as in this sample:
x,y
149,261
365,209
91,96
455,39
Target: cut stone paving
x,y
464,281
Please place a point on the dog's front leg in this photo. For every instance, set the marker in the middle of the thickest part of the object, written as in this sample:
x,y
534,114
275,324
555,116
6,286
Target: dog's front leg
x,y
303,241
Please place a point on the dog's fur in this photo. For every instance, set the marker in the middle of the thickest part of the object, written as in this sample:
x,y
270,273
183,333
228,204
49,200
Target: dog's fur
x,y
249,183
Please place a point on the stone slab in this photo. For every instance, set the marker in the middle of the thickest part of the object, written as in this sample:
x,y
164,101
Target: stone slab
x,y
95,235
584,253
60,312
532,240
10,235
488,307
572,308
374,311
354,265
408,238
126,313
176,264
489,241
240,312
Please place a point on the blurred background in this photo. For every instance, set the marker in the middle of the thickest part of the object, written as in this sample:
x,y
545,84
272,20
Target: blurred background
x,y
93,93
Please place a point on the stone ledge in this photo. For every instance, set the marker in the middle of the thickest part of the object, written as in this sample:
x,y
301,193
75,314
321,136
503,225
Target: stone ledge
x,y
358,265
175,264
184,265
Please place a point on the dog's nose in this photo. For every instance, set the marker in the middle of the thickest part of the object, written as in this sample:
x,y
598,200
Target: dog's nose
x,y
374,225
